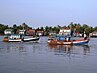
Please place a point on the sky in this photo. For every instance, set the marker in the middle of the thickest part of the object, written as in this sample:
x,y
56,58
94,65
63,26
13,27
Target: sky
x,y
41,13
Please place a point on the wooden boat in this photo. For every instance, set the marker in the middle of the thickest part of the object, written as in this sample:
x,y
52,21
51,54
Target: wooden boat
x,y
19,38
69,42
81,42
5,39
31,39
65,37
12,38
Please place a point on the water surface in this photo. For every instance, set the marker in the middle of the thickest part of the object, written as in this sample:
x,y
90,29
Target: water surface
x,y
40,57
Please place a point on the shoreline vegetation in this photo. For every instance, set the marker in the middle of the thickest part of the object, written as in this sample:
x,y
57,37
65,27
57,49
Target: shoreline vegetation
x,y
48,29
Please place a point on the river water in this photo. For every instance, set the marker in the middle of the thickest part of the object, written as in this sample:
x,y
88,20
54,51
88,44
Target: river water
x,y
21,57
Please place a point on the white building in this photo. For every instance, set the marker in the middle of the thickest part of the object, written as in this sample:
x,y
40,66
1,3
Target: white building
x,y
22,32
93,34
65,31
8,31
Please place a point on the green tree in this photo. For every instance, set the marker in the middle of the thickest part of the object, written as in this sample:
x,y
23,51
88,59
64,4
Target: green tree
x,y
42,28
15,28
71,26
46,30
2,28
95,28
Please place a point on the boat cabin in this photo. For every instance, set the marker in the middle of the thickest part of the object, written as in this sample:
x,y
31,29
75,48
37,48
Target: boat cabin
x,y
15,36
64,38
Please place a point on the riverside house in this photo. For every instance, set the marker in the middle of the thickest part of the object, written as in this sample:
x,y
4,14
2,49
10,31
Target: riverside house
x,y
8,31
30,32
22,32
65,31
93,34
40,32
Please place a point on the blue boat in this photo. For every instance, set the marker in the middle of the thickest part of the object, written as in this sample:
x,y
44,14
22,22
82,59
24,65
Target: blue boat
x,y
66,39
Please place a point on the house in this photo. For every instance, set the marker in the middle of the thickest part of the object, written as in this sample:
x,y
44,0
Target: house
x,y
67,31
52,33
22,32
40,32
77,34
8,31
64,31
93,34
30,32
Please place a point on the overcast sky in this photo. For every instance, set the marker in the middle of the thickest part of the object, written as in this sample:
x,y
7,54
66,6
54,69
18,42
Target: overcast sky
x,y
37,13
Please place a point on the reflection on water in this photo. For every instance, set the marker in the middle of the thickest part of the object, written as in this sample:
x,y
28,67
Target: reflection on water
x,y
21,47
40,57
8,47
70,49
41,47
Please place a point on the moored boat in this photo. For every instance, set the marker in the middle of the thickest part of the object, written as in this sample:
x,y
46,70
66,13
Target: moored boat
x,y
81,42
31,39
5,39
13,38
68,42
66,38
20,38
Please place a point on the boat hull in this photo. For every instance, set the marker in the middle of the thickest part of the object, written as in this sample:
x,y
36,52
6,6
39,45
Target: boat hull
x,y
81,42
75,42
15,40
5,40
59,42
35,39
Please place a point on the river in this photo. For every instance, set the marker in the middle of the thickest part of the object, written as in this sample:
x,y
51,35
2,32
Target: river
x,y
28,57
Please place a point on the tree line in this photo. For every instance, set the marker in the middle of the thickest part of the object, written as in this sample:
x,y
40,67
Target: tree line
x,y
74,26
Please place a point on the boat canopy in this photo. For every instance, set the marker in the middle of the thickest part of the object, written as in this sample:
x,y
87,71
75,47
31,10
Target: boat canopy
x,y
15,36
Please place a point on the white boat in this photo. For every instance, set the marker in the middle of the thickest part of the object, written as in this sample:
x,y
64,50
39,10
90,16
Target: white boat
x,y
32,39
19,38
13,38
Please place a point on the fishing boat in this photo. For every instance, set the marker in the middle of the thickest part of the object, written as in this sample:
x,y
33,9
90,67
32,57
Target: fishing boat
x,y
19,38
81,42
5,39
69,42
13,38
65,38
31,39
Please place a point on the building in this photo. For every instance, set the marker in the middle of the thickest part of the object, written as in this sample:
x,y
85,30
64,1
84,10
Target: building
x,y
77,34
93,34
40,32
8,31
30,32
52,33
22,32
64,31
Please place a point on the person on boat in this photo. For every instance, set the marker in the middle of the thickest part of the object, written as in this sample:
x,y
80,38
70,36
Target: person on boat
x,y
22,38
85,36
67,39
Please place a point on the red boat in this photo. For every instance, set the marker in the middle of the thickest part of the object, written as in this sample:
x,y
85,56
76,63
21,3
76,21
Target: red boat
x,y
69,42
